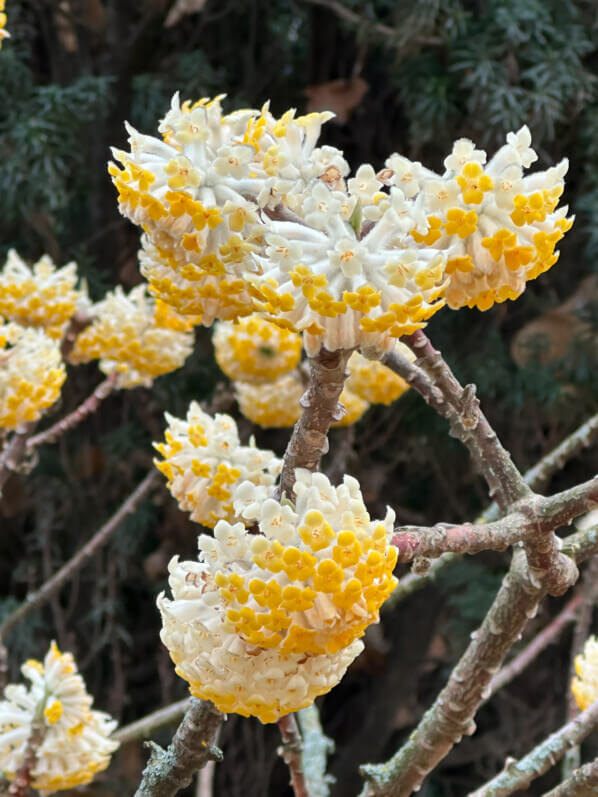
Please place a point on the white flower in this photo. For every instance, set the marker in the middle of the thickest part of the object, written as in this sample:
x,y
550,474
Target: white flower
x,y
233,160
76,743
320,205
348,256
365,184
325,157
441,194
463,152
521,141
407,175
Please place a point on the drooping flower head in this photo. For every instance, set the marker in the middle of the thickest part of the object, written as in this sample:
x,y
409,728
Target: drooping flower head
x,y
254,350
499,226
196,194
41,296
31,374
585,684
76,743
262,624
344,277
135,336
204,461
373,381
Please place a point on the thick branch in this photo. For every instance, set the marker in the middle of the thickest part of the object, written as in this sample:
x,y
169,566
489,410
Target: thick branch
x,y
291,751
451,716
144,727
192,746
41,595
316,749
519,774
77,416
22,780
515,667
320,409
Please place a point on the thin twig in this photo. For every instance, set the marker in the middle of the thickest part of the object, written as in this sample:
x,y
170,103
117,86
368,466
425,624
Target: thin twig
x,y
77,416
192,746
518,775
41,595
144,727
582,783
316,749
291,751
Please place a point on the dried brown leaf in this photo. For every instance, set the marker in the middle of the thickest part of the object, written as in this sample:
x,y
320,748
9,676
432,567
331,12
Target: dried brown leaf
x,y
339,96
180,9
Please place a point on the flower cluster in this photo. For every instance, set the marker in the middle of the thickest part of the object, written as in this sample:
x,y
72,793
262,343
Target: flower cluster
x,y
585,685
135,336
262,624
76,740
254,350
195,193
499,227
4,34
31,374
374,382
42,296
204,461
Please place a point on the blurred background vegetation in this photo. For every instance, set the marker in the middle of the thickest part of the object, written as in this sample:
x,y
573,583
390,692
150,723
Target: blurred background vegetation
x,y
402,75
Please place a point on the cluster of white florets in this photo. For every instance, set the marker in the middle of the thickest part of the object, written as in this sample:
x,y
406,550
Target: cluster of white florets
x,y
136,336
204,462
264,623
75,741
31,374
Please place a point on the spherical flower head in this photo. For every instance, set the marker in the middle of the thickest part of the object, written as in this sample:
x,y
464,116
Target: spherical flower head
x,y
373,381
585,684
76,740
264,623
238,677
204,463
255,350
347,284
38,296
271,405
31,374
499,227
134,336
322,561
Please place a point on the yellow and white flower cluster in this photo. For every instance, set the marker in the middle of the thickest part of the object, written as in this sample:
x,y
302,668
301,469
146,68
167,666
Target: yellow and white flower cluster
x,y
264,623
373,381
208,195
204,462
499,227
41,296
76,744
4,34
31,374
243,213
254,350
136,336
585,684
